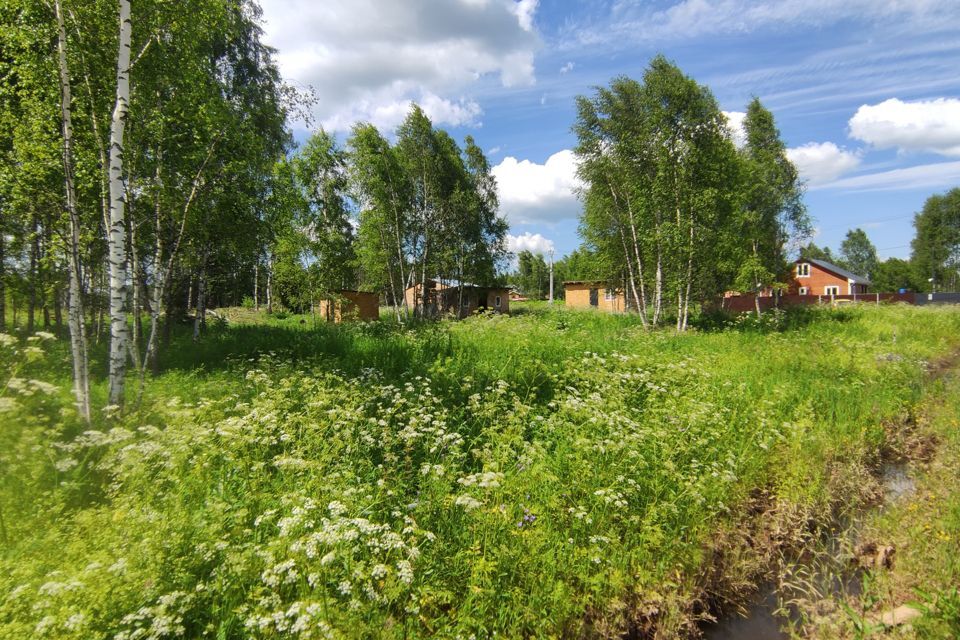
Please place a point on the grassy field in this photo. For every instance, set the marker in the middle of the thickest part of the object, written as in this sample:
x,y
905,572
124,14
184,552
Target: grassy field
x,y
547,474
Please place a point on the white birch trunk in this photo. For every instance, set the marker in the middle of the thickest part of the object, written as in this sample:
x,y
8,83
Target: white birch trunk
x,y
199,319
256,283
636,253
632,278
78,338
270,283
117,236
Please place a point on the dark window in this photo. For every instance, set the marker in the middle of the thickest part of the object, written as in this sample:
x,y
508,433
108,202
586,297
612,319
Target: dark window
x,y
594,297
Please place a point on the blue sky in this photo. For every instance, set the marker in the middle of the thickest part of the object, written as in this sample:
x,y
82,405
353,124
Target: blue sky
x,y
866,93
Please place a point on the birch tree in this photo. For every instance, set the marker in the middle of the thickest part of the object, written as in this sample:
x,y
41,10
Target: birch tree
x,y
117,233
382,192
772,211
78,338
661,180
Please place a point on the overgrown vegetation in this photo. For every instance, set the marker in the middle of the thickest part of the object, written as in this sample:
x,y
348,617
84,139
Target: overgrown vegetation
x,y
913,593
551,473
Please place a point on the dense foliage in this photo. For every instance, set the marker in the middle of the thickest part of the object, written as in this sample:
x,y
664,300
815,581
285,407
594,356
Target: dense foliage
x,y
934,262
936,247
543,474
146,170
677,213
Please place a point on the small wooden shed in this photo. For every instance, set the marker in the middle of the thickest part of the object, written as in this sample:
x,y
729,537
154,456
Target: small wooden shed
x,y
594,294
348,305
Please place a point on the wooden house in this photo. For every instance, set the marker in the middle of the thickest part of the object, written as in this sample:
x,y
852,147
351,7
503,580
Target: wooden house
x,y
453,298
348,305
594,294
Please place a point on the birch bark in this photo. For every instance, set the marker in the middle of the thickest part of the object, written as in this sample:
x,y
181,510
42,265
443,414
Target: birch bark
x,y
78,338
117,236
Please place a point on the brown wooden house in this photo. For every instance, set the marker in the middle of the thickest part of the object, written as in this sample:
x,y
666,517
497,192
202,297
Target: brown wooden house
x,y
594,294
450,297
347,305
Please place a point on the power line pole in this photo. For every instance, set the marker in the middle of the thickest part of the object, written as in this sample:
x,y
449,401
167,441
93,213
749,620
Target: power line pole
x,y
551,276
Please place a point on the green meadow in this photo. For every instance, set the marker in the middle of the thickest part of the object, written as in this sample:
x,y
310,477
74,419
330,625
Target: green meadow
x,y
545,474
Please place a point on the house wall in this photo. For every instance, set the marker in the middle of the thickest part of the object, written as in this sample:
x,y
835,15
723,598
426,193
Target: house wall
x,y
577,296
820,278
366,305
504,300
412,294
448,300
353,305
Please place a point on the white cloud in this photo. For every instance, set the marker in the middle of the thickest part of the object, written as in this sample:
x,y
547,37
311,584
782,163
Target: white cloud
x,y
822,162
694,18
532,242
531,192
926,176
735,126
926,125
567,68
386,115
492,151
371,58
524,10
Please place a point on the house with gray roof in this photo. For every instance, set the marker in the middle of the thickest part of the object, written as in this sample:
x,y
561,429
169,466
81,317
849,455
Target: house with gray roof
x,y
813,277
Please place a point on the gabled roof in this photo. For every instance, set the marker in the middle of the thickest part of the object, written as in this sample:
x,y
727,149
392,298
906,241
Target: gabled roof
x,y
840,271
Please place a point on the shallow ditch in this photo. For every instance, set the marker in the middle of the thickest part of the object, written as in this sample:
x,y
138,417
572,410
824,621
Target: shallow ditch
x,y
831,572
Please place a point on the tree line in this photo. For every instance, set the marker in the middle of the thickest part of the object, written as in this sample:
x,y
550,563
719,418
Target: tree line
x,y
148,173
384,216
676,211
934,262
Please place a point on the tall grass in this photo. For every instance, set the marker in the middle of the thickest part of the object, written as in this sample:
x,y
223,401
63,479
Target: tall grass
x,y
550,473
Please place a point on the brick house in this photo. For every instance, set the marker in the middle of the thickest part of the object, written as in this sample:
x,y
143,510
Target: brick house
x,y
587,294
444,297
813,277
350,305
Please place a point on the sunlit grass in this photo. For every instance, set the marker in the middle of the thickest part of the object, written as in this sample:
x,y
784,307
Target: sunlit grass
x,y
541,474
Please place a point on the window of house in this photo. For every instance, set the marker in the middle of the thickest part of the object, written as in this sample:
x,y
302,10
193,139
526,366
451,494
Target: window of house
x,y
803,270
609,294
496,301
803,291
831,290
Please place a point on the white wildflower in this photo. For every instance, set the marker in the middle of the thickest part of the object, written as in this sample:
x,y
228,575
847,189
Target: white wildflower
x,y
65,465
405,571
119,567
469,503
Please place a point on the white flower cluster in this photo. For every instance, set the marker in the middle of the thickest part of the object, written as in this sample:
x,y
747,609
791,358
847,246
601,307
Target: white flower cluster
x,y
161,621
353,560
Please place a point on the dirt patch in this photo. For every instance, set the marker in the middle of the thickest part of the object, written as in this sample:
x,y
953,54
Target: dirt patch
x,y
906,439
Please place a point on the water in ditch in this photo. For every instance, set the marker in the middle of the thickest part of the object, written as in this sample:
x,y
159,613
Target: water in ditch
x,y
764,620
